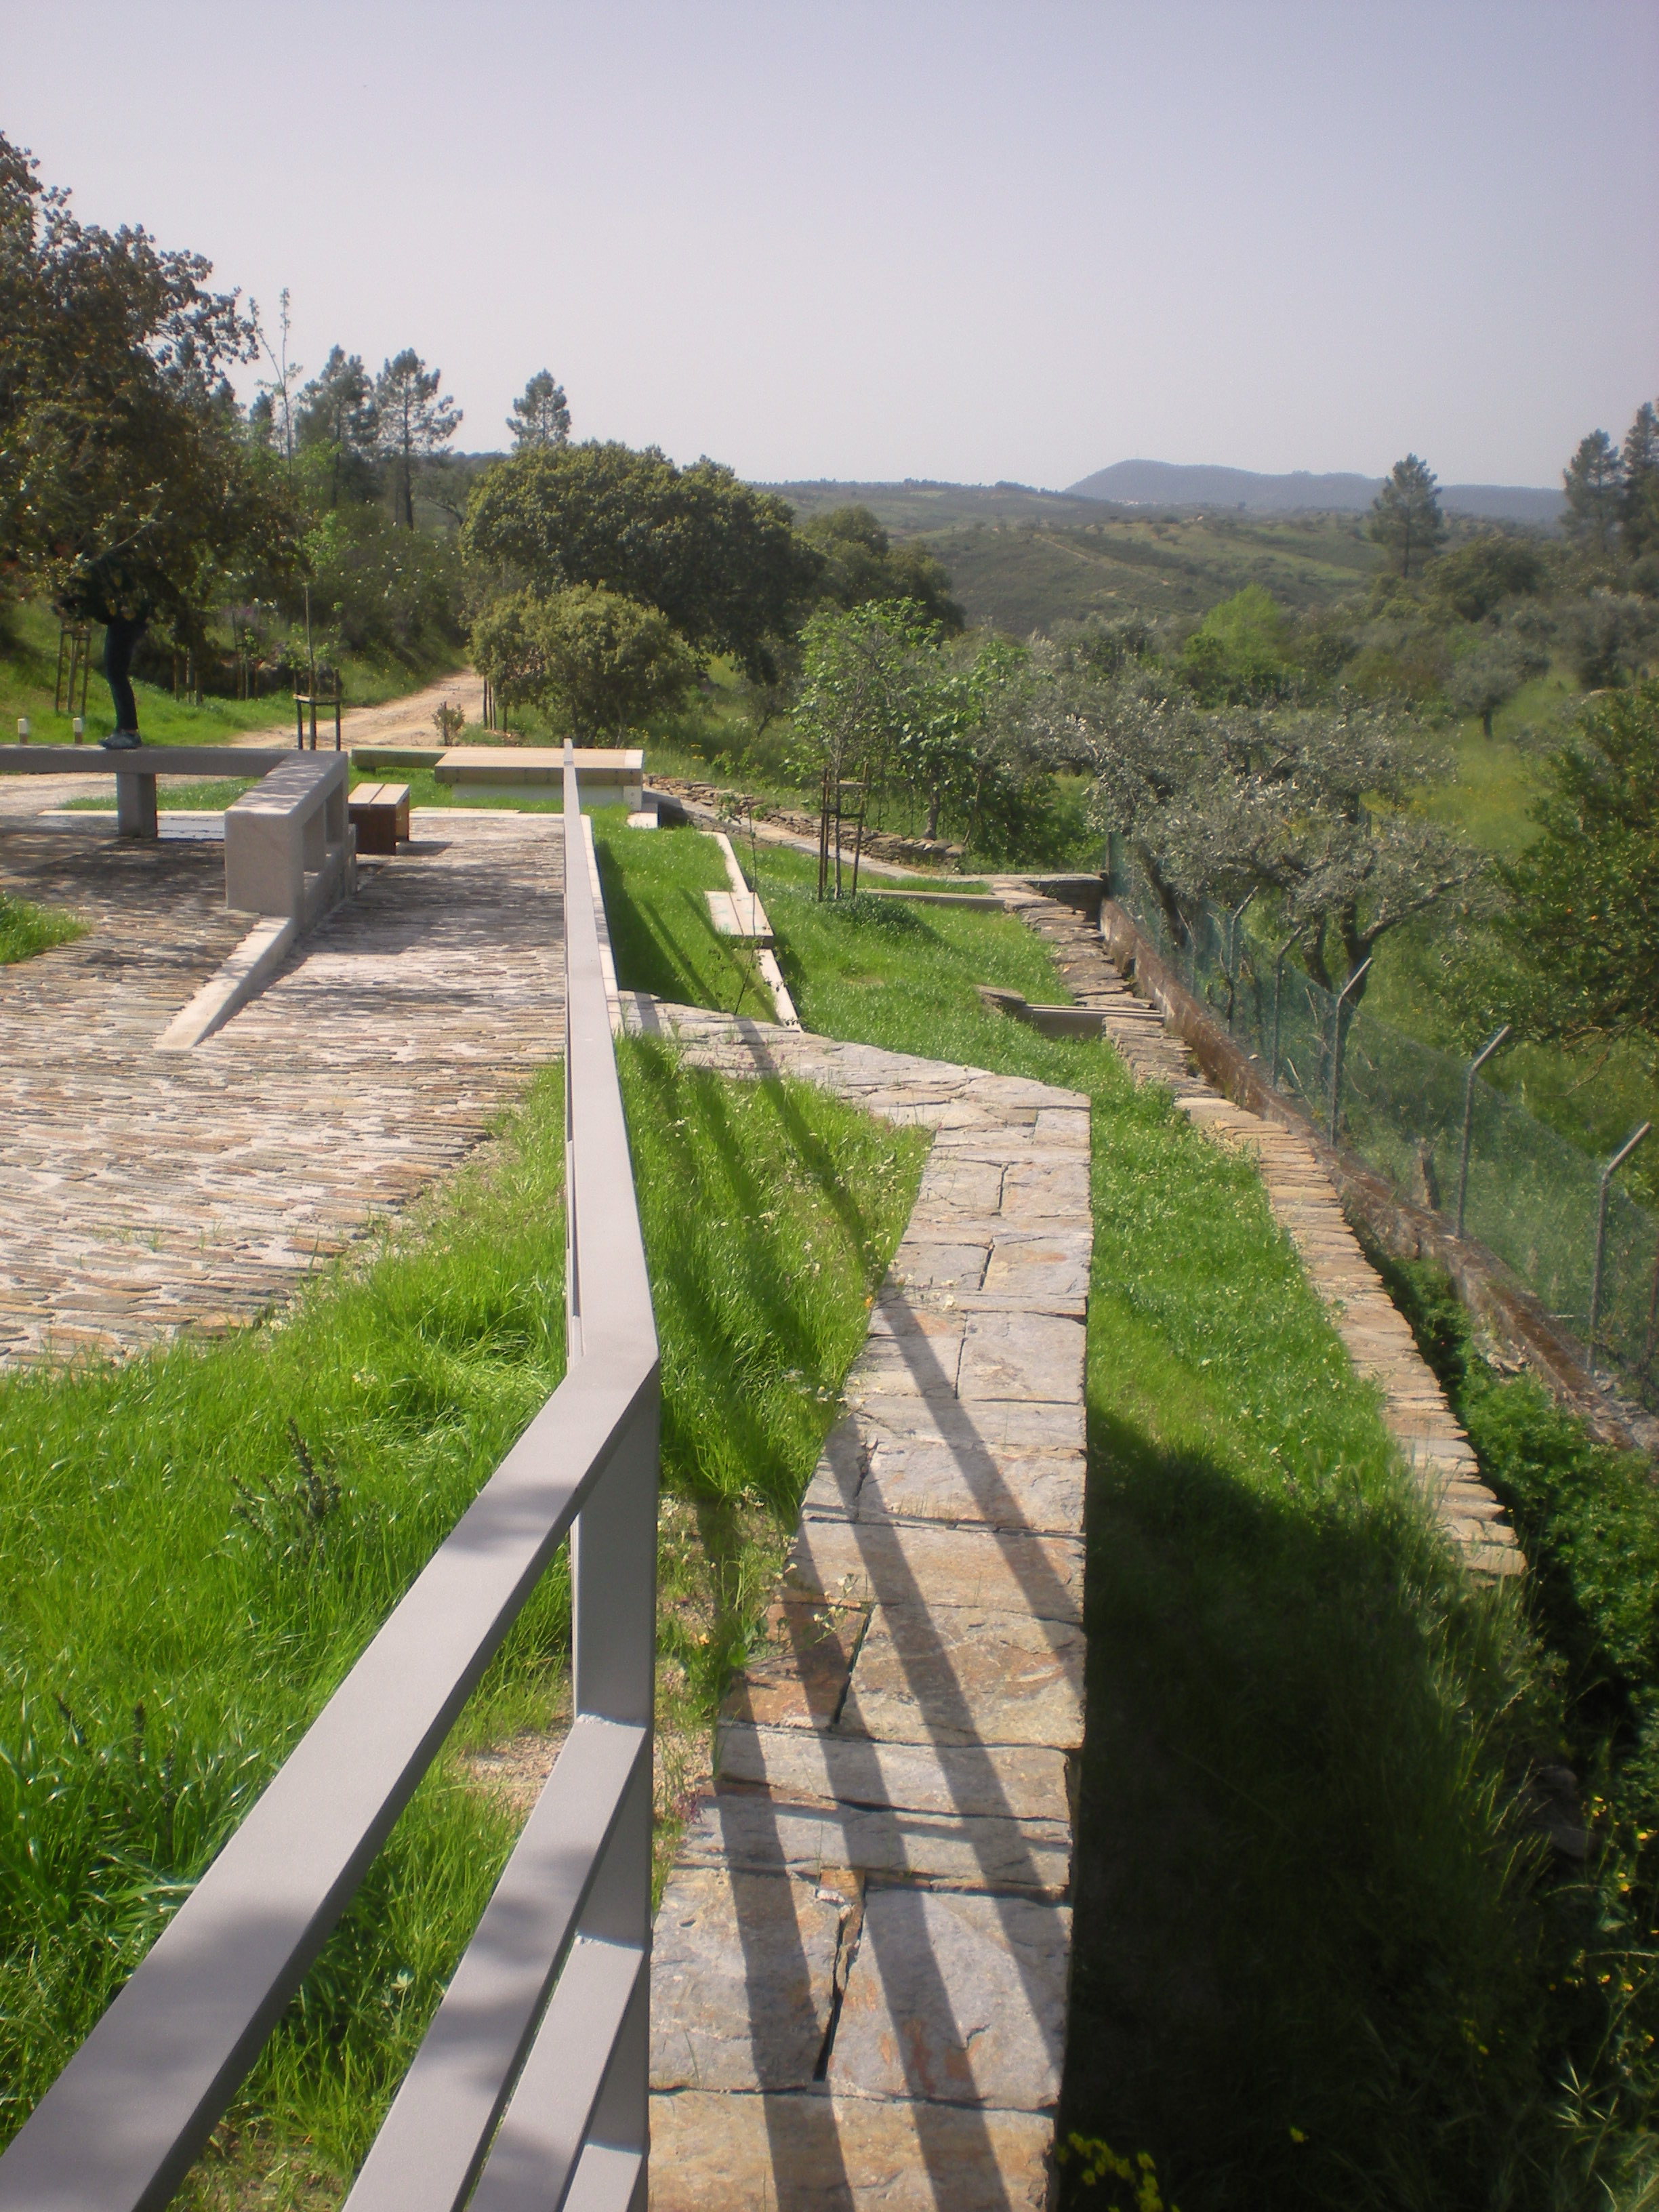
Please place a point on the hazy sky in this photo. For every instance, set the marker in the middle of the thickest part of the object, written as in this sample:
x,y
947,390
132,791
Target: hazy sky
x,y
952,240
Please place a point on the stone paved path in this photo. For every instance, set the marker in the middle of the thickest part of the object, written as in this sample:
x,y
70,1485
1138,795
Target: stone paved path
x,y
859,1980
1379,1339
140,1191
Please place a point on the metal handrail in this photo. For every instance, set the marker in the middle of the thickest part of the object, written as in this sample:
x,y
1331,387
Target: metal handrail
x,y
531,2083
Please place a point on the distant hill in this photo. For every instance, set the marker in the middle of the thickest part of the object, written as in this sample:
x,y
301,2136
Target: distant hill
x,y
1165,483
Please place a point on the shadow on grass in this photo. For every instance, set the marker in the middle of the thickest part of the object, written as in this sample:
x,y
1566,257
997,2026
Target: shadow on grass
x,y
1309,1953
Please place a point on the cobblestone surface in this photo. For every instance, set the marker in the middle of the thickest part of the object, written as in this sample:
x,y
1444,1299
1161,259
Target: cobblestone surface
x,y
141,1192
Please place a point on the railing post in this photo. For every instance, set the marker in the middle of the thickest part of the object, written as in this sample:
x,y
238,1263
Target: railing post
x,y
1475,1068
1605,1193
1341,1018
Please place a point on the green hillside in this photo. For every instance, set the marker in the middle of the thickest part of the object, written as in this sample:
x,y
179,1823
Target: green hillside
x,y
1021,560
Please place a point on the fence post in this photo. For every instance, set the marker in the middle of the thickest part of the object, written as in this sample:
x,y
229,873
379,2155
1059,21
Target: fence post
x,y
1233,922
1475,1065
1279,985
1336,1044
1606,1192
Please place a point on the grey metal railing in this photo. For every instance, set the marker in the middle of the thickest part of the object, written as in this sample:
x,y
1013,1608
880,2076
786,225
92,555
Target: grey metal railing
x,y
530,2088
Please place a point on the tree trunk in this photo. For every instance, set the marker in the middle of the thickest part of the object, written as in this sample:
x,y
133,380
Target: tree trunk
x,y
933,812
121,639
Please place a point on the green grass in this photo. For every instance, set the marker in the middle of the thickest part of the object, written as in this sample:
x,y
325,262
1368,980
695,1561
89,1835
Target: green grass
x,y
1321,1957
26,929
29,666
178,797
183,1597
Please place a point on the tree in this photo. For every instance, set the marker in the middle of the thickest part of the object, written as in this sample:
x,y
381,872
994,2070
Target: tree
x,y
719,559
1405,515
337,415
1481,574
1639,526
127,490
540,416
1240,651
414,423
602,660
860,688
1593,480
861,564
1492,672
1584,916
1308,805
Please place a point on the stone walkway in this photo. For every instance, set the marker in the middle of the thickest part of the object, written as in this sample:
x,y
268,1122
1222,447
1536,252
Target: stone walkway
x,y
1379,1339
859,1973
141,1192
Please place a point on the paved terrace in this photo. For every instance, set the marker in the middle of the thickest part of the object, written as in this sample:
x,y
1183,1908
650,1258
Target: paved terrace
x,y
140,1191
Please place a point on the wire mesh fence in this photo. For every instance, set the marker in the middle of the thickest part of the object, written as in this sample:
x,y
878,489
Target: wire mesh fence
x,y
1441,1134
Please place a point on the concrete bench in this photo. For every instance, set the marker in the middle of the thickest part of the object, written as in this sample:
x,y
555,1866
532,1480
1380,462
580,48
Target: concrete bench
x,y
612,777
379,815
288,844
135,772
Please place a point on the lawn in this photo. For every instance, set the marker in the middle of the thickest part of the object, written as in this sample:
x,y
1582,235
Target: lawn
x,y
26,929
200,1541
1321,1956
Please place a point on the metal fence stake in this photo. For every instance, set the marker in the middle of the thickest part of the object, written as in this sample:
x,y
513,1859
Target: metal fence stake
x,y
1607,1173
1279,986
1358,976
1475,1065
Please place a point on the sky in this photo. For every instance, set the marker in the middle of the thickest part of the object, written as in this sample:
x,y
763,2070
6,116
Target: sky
x,y
874,240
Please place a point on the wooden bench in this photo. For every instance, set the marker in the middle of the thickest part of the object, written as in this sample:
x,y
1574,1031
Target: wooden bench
x,y
379,815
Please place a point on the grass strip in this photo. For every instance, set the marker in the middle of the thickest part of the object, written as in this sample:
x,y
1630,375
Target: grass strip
x,y
26,929
1319,1944
200,1542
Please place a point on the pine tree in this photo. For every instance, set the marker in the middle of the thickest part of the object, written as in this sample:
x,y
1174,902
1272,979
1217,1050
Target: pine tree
x,y
336,409
1640,524
540,416
1594,481
1405,515
413,422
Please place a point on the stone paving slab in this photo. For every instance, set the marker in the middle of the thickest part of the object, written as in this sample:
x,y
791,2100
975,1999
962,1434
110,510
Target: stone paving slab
x,y
898,1563
823,2154
1003,1782
744,1978
908,1727
956,1998
939,1851
966,1675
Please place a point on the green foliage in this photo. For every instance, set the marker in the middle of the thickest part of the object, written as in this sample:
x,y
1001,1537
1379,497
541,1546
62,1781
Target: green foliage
x,y
382,591
719,559
1594,481
540,414
861,564
1584,917
601,661
414,423
1241,651
125,489
1405,519
1492,671
1088,2163
26,929
1475,578
337,420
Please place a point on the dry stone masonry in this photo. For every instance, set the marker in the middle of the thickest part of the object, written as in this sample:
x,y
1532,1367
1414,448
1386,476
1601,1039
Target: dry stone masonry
x,y
860,1975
